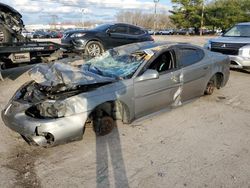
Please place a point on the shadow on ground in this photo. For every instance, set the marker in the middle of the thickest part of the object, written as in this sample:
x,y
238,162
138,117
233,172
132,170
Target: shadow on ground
x,y
240,70
108,148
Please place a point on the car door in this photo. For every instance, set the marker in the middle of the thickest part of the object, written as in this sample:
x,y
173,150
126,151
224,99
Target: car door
x,y
153,95
117,35
195,68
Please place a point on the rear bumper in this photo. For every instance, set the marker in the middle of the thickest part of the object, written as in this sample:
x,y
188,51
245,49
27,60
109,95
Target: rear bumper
x,y
43,132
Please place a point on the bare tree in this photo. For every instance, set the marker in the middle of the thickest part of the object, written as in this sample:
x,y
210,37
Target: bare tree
x,y
144,20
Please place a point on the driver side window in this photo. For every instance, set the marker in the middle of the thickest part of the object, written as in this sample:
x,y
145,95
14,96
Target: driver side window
x,y
164,62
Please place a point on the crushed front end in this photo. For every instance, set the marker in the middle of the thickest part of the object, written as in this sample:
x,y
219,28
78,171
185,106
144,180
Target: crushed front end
x,y
42,117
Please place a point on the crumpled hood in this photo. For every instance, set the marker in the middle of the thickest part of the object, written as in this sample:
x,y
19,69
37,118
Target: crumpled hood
x,y
57,73
243,40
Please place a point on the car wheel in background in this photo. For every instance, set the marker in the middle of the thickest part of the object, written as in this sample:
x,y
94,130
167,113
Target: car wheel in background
x,y
5,35
94,48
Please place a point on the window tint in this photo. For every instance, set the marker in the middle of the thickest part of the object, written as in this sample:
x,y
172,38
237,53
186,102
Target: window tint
x,y
164,62
135,31
189,56
119,29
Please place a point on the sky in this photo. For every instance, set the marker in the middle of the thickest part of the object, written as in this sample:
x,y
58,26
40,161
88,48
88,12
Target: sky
x,y
42,11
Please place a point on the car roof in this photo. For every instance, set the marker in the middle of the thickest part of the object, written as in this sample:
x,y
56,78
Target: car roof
x,y
123,23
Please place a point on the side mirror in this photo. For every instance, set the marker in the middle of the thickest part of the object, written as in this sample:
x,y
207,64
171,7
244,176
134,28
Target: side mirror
x,y
150,74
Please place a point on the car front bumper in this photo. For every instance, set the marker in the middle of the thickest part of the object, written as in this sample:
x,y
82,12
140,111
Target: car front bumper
x,y
239,62
43,132
79,44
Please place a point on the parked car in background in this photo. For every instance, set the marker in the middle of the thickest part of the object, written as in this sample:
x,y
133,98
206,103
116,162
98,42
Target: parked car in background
x,y
151,32
208,32
184,32
166,32
235,43
27,34
41,34
125,83
95,41
55,34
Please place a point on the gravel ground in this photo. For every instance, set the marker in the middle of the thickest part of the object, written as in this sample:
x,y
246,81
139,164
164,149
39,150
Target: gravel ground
x,y
204,143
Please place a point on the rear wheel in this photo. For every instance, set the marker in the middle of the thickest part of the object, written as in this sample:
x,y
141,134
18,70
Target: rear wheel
x,y
94,48
5,35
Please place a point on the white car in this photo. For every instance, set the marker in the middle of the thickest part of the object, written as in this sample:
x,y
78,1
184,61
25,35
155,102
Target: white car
x,y
235,43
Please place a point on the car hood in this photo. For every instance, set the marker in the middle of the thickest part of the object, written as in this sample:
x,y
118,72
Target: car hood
x,y
58,73
243,40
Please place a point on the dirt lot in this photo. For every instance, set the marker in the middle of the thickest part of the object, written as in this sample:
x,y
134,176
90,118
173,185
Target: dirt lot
x,y
204,143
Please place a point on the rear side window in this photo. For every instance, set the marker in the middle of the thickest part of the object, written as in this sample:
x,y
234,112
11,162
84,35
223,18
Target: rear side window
x,y
189,56
120,29
135,31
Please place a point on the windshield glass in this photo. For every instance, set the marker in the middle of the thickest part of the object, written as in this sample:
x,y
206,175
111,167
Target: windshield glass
x,y
238,31
113,64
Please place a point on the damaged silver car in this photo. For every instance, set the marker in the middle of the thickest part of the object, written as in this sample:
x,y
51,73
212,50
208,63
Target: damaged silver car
x,y
124,83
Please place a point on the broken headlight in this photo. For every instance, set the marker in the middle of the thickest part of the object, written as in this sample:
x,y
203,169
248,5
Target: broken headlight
x,y
77,35
52,109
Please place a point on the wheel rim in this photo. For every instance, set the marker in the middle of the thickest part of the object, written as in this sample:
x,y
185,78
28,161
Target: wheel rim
x,y
107,125
1,36
210,88
94,50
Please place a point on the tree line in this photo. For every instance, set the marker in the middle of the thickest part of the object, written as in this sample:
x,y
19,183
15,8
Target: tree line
x,y
145,20
211,14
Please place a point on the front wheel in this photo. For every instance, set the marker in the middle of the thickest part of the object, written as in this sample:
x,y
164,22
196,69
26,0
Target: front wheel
x,y
94,48
104,125
210,87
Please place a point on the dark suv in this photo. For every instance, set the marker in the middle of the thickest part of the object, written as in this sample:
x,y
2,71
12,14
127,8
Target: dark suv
x,y
95,41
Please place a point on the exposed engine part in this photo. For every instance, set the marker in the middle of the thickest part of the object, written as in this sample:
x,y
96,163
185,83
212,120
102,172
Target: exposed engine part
x,y
40,95
35,92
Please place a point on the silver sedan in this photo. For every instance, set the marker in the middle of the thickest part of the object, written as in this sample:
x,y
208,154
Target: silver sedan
x,y
124,83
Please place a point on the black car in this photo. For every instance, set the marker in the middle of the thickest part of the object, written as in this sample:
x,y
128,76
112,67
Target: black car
x,y
41,34
95,41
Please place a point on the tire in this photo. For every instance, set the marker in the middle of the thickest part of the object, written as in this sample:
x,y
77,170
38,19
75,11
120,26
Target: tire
x,y
94,48
211,85
5,35
104,126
